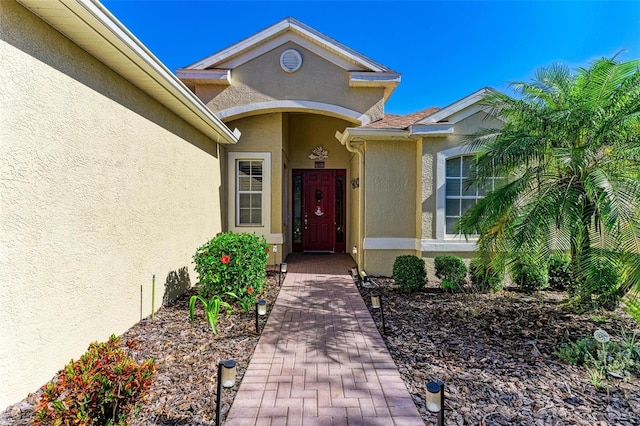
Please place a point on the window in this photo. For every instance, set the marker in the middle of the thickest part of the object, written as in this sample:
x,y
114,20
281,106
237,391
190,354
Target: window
x,y
249,175
460,195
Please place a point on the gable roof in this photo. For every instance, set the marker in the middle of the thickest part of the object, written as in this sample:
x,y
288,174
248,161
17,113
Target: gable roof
x,y
289,29
91,26
363,71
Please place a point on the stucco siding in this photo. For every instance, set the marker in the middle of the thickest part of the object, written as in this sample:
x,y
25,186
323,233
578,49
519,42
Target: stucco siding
x,y
261,133
262,80
101,187
390,189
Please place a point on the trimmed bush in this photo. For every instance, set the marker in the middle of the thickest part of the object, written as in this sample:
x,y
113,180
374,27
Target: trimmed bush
x,y
104,387
484,277
560,275
528,275
451,268
604,279
409,273
232,266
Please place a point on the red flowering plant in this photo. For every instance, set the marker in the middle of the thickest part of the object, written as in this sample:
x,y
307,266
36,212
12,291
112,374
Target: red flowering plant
x,y
232,266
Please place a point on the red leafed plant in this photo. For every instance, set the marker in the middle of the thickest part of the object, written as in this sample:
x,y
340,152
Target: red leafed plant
x,y
104,387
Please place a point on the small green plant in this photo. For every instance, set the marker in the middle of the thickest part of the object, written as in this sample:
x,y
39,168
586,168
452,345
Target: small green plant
x,y
211,307
232,264
104,387
448,286
632,306
560,275
529,275
602,355
451,268
484,276
247,301
409,273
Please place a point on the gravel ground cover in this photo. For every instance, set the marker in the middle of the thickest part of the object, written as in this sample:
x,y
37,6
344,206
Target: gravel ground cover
x,y
494,352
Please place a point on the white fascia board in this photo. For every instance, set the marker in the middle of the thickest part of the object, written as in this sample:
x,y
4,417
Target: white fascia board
x,y
296,27
92,27
458,106
210,76
359,134
373,79
427,130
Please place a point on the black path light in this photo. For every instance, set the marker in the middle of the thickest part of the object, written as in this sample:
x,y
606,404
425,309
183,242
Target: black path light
x,y
283,270
376,303
435,400
261,309
226,378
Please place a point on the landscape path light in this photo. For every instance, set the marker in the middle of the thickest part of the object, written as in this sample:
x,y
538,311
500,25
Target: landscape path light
x,y
261,309
376,303
283,270
435,400
226,378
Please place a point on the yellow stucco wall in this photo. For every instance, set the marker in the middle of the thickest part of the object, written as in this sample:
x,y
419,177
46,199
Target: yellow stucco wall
x,y
260,133
101,187
262,79
390,189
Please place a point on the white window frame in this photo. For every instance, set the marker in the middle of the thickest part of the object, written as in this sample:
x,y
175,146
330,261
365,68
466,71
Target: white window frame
x,y
446,242
234,208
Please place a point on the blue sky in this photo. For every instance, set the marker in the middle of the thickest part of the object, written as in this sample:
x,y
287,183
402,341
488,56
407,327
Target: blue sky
x,y
444,50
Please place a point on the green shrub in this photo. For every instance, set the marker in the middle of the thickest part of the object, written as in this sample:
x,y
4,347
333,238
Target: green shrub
x,y
451,268
448,285
528,275
104,387
484,277
604,278
409,273
232,264
560,275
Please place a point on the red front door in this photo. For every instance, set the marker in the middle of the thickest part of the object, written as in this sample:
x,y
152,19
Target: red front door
x,y
319,210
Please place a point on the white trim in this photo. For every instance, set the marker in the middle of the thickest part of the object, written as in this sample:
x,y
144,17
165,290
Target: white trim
x,y
441,164
214,76
447,246
372,133
92,27
289,27
391,244
371,79
293,105
432,129
447,113
233,157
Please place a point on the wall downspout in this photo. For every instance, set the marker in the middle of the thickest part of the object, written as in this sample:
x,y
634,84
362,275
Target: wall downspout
x,y
360,152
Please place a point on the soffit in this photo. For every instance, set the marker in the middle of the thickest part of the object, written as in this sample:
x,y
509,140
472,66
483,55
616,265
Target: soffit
x,y
92,27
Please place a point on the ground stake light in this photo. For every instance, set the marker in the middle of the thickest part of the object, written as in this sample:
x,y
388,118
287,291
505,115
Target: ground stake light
x,y
283,270
435,400
376,303
226,378
261,309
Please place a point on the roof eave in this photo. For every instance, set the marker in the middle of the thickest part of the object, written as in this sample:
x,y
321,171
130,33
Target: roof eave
x,y
92,27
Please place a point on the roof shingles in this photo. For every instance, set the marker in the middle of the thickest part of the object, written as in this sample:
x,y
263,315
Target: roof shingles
x,y
393,121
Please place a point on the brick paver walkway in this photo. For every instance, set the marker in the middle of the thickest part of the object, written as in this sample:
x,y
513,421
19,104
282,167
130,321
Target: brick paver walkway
x,y
320,359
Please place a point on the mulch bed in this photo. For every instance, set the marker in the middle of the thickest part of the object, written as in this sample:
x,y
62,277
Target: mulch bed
x,y
495,353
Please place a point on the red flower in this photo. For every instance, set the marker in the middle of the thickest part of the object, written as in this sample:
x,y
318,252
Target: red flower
x,y
267,249
250,290
225,259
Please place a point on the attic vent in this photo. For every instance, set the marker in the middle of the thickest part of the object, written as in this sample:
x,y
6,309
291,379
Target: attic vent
x,y
290,60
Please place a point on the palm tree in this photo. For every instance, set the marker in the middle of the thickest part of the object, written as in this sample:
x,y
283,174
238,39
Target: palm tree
x,y
570,149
